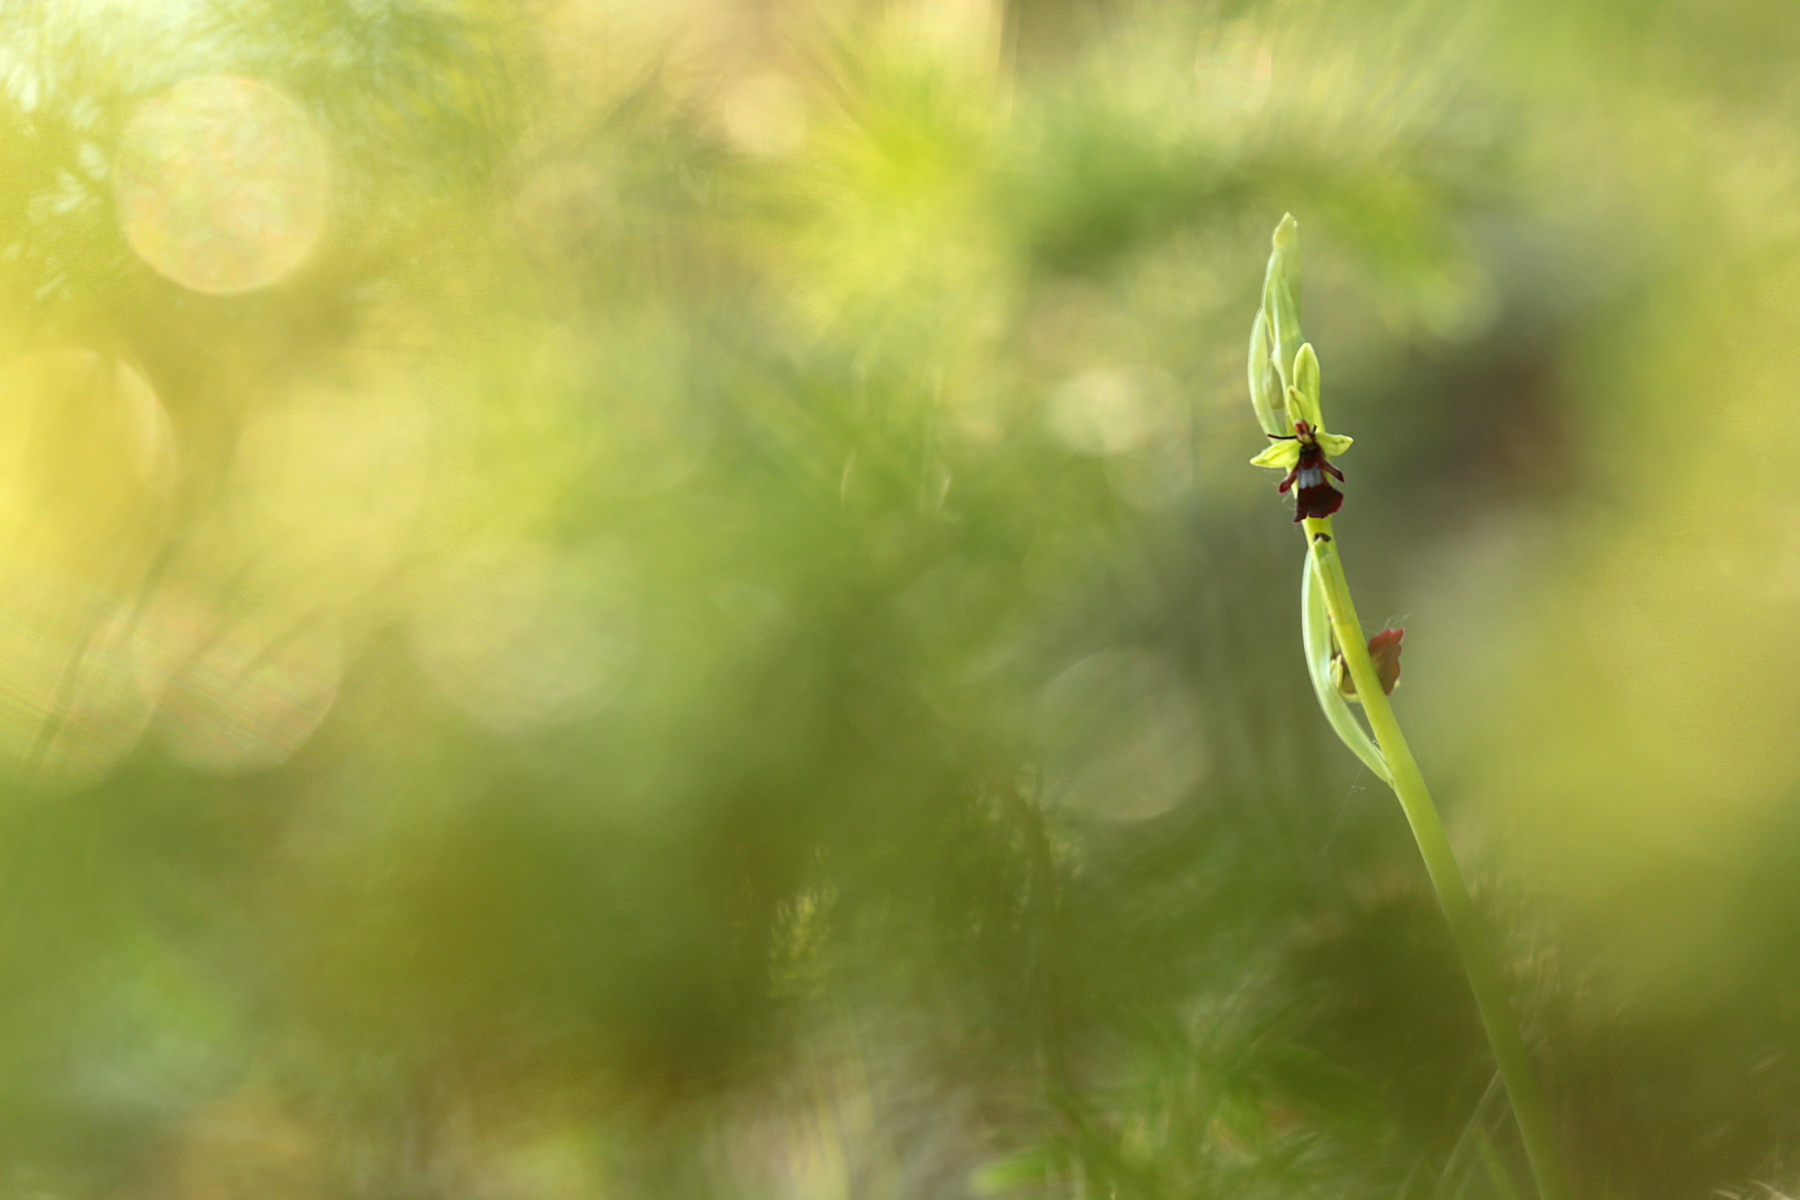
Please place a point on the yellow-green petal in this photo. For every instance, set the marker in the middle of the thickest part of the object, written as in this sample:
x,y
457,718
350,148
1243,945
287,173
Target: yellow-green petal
x,y
1333,444
1280,455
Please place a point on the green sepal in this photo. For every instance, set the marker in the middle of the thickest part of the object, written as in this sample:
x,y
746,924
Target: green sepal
x,y
1280,455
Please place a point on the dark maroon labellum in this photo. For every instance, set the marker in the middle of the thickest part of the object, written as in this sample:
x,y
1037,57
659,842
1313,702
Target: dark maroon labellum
x,y
1314,496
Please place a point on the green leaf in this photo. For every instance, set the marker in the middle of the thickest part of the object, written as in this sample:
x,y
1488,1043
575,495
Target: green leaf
x,y
1315,635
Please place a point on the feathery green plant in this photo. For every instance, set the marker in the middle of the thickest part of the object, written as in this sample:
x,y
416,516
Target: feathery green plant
x,y
1284,388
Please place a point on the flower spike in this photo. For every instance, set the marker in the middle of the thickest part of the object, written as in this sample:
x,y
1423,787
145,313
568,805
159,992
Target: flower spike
x,y
1348,668
1284,387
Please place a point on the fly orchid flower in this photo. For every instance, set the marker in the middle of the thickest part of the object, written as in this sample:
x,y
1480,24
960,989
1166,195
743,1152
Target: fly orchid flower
x,y
1284,387
1304,452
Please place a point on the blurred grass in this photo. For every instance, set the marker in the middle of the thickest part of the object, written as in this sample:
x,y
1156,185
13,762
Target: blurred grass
x,y
712,636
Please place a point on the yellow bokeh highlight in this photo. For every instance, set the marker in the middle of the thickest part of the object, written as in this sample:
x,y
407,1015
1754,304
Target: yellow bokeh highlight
x,y
223,184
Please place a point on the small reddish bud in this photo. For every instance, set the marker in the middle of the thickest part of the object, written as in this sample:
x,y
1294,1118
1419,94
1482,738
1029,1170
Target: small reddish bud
x,y
1384,652
1384,649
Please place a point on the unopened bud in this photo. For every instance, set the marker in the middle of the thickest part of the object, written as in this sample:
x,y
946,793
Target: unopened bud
x,y
1267,394
1384,653
1281,297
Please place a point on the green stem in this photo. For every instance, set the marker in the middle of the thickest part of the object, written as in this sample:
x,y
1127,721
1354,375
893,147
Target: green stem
x,y
1472,942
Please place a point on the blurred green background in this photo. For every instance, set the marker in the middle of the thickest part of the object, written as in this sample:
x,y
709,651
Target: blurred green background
x,y
663,600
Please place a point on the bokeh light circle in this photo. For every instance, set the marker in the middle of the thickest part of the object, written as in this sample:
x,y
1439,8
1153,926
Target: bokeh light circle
x,y
87,469
70,706
521,637
87,457
223,184
1123,737
237,694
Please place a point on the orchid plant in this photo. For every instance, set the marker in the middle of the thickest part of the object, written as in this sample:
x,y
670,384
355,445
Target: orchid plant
x,y
1346,668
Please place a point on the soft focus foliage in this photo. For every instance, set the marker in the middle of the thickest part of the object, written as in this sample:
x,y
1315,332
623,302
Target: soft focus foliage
x,y
662,600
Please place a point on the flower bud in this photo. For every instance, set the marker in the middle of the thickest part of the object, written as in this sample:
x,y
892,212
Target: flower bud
x,y
1281,298
1384,655
1267,395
